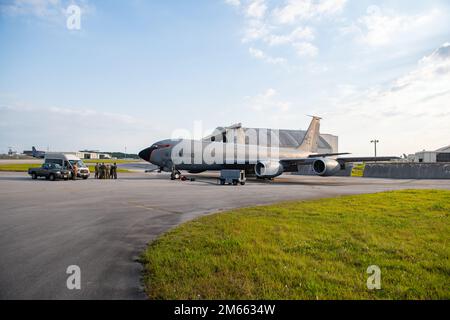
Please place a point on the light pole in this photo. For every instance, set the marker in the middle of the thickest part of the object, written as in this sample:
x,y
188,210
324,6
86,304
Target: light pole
x,y
375,141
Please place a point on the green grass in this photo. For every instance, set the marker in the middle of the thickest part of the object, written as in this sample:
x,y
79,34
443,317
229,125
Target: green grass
x,y
358,170
19,167
309,250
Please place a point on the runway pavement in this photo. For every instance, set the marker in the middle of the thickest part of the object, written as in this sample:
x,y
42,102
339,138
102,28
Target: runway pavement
x,y
103,225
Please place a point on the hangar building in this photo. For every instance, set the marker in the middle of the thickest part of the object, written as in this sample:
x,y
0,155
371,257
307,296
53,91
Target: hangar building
x,y
92,155
440,155
287,138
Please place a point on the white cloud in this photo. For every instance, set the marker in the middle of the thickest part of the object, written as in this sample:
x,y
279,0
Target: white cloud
x,y
50,10
330,7
259,54
82,114
234,3
255,30
82,128
302,10
413,111
381,27
256,9
290,25
39,8
268,102
299,33
256,53
306,49
88,113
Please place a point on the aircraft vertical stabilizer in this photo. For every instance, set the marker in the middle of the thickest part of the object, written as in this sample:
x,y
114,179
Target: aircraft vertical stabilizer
x,y
309,143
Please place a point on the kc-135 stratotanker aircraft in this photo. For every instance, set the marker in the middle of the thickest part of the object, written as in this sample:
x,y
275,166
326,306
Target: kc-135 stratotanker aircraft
x,y
196,156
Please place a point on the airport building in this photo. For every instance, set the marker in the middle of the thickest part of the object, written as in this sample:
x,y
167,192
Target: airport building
x,y
287,138
440,155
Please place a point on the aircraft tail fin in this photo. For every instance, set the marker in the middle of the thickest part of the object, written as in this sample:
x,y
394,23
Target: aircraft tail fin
x,y
33,150
309,143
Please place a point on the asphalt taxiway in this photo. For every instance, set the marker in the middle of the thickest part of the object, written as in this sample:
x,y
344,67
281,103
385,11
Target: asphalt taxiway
x,y
103,225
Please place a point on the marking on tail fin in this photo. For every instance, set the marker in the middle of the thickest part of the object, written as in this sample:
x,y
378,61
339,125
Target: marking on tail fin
x,y
309,143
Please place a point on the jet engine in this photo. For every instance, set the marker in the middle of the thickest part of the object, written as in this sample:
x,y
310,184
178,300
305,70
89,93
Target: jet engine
x,y
268,169
326,167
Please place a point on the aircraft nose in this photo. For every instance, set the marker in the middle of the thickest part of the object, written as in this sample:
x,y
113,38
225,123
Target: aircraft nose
x,y
146,153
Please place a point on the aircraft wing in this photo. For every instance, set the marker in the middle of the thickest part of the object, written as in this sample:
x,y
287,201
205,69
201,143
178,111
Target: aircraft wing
x,y
297,161
365,159
324,155
310,159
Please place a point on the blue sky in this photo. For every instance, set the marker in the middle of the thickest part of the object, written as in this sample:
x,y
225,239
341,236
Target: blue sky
x,y
138,70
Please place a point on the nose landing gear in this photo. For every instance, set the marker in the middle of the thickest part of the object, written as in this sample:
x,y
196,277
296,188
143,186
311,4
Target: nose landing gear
x,y
175,175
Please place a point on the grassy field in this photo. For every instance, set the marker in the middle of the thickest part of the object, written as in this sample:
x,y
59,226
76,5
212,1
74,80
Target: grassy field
x,y
18,167
358,170
309,250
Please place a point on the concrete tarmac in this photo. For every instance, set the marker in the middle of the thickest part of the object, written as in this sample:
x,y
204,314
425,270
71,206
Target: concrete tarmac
x,y
103,225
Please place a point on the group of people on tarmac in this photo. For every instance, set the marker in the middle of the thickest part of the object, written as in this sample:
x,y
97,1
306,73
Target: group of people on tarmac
x,y
106,171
